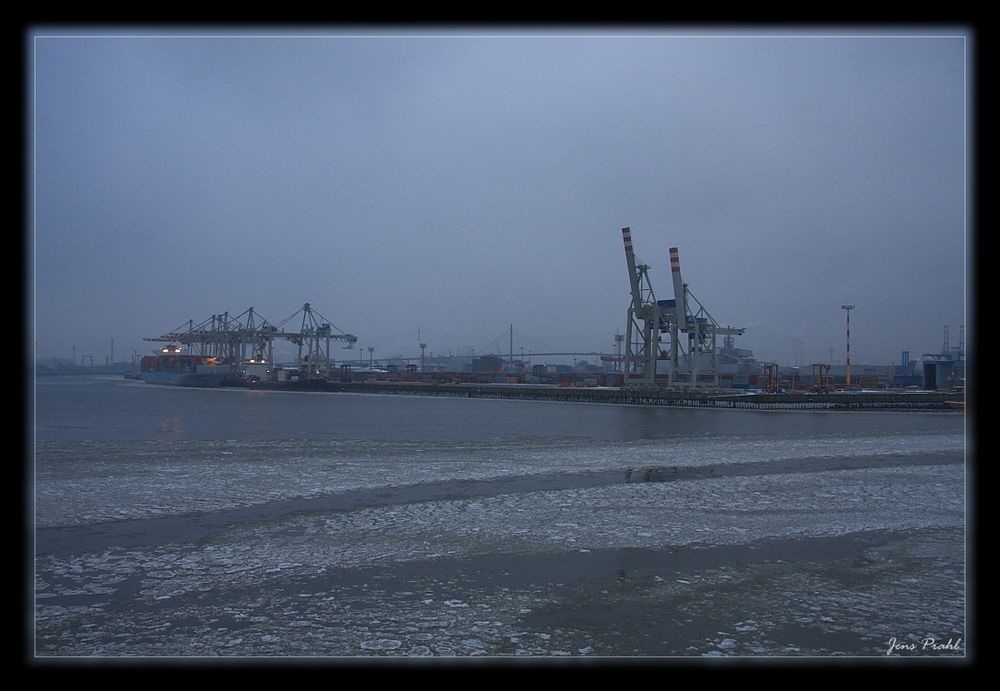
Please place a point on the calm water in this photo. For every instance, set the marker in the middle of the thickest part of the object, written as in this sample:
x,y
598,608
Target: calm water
x,y
112,408
230,522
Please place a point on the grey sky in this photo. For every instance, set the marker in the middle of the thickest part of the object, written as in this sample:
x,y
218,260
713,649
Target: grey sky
x,y
460,183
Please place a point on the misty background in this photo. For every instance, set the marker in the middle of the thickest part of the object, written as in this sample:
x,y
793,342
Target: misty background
x,y
458,182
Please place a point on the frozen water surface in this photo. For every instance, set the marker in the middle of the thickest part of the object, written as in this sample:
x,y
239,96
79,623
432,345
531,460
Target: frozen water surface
x,y
849,531
95,481
317,584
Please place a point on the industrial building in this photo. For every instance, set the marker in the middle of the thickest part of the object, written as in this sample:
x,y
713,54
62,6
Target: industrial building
x,y
945,371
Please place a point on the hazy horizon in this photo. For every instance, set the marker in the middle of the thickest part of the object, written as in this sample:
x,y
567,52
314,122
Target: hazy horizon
x,y
456,182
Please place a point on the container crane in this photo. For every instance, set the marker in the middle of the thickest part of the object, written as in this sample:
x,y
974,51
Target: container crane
x,y
645,320
693,350
690,346
248,338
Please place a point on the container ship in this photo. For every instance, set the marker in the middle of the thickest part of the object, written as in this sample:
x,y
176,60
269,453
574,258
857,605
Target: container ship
x,y
173,367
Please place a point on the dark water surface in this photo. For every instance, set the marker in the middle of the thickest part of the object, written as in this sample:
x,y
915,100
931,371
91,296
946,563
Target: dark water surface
x,y
199,522
113,408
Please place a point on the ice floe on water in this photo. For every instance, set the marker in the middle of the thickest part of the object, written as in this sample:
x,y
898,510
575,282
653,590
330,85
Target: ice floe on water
x,y
278,587
429,577
373,616
85,482
725,511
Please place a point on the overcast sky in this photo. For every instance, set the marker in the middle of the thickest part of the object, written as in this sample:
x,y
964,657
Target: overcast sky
x,y
458,183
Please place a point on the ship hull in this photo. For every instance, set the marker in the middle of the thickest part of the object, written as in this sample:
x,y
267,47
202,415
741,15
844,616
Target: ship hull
x,y
182,378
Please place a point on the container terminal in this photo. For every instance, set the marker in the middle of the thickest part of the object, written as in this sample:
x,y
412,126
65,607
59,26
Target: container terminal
x,y
673,352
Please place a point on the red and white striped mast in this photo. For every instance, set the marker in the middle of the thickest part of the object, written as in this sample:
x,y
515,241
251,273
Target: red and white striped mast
x,y
680,296
848,308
